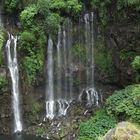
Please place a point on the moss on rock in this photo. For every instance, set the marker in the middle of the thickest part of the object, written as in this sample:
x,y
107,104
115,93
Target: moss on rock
x,y
3,37
123,131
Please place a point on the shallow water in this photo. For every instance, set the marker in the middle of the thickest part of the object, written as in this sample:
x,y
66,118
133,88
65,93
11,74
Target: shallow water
x,y
20,137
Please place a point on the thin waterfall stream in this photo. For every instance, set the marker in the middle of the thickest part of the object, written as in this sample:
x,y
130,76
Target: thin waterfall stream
x,y
61,67
11,47
92,96
50,110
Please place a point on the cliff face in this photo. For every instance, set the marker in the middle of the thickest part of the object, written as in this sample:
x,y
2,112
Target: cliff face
x,y
122,44
124,41
116,47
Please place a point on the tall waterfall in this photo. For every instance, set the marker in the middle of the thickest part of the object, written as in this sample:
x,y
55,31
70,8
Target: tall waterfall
x,y
11,46
92,96
56,105
61,68
50,110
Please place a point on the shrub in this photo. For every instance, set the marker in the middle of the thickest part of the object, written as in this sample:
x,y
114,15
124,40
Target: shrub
x,y
96,126
136,68
28,37
33,66
72,7
52,22
10,5
27,16
136,63
125,103
43,7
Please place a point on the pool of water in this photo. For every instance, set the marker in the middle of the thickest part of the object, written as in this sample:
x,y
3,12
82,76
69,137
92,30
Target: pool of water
x,y
20,137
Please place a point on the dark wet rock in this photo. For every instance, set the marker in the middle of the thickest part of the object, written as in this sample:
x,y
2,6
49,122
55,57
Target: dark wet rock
x,y
66,128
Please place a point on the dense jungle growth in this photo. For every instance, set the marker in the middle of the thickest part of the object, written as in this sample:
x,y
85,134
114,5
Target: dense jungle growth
x,y
116,53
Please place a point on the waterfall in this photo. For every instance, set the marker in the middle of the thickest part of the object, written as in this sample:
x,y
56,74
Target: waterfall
x,y
55,104
92,48
67,59
92,96
61,69
59,66
87,45
69,50
50,108
11,46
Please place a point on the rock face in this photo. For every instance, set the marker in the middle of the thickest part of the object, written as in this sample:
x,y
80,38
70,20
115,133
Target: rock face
x,y
123,131
124,42
114,54
5,114
66,128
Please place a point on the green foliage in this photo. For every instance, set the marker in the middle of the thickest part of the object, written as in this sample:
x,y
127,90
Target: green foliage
x,y
96,126
136,67
124,54
27,16
40,131
102,7
57,5
52,22
136,63
72,7
27,36
33,66
36,107
125,103
79,53
10,5
116,11
43,7
2,41
3,83
103,58
135,3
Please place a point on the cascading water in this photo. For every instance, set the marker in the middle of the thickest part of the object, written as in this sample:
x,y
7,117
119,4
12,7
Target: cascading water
x,y
61,69
56,104
87,45
50,110
11,46
92,96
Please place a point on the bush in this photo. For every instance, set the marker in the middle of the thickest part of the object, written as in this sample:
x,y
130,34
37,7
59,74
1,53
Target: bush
x,y
53,22
72,7
33,66
28,37
96,126
27,16
10,5
136,63
43,7
125,103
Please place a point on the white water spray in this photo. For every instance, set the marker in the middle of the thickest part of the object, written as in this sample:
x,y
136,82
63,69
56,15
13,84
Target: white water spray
x,y
11,46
